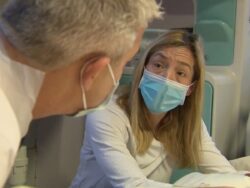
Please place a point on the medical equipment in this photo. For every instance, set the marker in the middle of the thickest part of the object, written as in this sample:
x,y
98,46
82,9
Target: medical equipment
x,y
19,172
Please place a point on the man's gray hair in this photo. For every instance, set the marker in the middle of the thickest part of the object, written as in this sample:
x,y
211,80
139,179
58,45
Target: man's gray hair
x,y
57,32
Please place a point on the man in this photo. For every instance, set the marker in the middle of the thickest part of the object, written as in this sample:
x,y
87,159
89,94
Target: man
x,y
62,57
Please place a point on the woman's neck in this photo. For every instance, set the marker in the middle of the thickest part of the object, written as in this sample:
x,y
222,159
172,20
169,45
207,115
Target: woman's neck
x,y
155,119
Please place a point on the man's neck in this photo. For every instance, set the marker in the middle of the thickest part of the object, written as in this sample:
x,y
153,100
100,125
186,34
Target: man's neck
x,y
56,95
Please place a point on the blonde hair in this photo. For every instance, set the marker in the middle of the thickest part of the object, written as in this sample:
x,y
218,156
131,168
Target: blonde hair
x,y
180,129
57,32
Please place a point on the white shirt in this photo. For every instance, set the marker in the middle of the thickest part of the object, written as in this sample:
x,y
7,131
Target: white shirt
x,y
19,87
108,158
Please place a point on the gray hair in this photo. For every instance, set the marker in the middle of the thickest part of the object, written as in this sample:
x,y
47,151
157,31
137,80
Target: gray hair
x,y
57,32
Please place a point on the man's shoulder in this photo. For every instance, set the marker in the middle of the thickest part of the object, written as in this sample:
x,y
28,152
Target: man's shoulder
x,y
8,120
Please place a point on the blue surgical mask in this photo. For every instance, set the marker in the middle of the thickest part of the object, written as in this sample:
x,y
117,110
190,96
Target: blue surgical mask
x,y
103,104
161,94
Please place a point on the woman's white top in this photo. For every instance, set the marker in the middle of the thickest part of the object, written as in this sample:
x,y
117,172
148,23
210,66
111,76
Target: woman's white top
x,y
108,157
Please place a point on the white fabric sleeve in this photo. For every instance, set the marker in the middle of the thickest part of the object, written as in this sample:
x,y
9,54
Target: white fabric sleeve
x,y
108,134
9,139
211,158
242,163
214,180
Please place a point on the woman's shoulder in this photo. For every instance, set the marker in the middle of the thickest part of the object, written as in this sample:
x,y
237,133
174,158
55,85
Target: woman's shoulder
x,y
114,107
113,114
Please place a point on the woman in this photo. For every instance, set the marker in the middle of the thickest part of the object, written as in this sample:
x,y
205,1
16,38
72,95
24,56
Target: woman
x,y
155,126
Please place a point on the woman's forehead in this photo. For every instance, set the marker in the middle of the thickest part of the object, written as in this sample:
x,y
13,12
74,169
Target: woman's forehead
x,y
177,53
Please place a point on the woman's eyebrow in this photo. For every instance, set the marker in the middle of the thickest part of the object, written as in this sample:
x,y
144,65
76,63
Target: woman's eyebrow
x,y
160,54
164,56
185,64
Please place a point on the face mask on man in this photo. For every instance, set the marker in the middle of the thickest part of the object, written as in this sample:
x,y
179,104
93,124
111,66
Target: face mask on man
x,y
103,104
161,94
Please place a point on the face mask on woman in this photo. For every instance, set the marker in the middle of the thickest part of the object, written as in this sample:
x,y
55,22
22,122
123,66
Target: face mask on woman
x,y
161,94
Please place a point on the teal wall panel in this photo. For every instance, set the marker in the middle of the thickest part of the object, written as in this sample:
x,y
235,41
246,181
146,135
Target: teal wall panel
x,y
126,79
215,22
208,106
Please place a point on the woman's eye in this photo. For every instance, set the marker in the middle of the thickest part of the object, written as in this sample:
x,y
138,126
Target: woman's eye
x,y
181,73
158,65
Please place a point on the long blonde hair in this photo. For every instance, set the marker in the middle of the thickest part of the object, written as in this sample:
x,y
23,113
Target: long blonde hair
x,y
180,130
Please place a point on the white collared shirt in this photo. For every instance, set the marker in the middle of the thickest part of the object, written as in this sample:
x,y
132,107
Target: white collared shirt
x,y
19,87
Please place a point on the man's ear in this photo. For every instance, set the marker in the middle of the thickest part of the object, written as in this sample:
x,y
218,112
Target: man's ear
x,y
92,69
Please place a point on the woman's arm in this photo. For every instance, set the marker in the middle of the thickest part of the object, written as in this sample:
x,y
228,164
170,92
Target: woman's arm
x,y
241,164
211,158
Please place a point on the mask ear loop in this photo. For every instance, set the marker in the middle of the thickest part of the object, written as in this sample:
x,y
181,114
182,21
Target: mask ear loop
x,y
84,101
112,74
